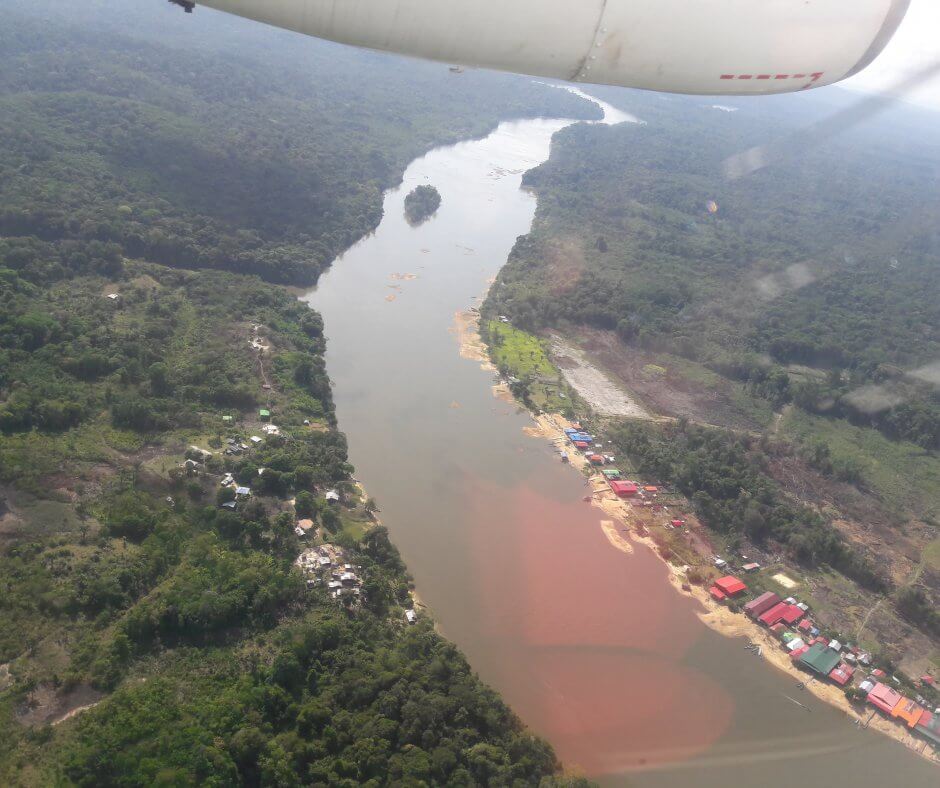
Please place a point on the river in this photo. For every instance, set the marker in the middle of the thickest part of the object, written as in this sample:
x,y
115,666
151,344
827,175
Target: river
x,y
592,647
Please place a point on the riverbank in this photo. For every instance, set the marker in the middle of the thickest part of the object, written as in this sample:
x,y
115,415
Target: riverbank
x,y
624,530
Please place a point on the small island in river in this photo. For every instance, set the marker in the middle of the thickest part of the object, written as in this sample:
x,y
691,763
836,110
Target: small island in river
x,y
421,203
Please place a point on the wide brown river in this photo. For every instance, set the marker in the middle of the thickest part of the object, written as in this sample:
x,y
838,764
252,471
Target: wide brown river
x,y
592,647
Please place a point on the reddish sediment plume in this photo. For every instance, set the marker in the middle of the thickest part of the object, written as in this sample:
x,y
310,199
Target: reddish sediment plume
x,y
587,644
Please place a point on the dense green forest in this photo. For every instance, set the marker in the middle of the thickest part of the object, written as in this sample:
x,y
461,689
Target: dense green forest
x,y
154,629
825,260
190,142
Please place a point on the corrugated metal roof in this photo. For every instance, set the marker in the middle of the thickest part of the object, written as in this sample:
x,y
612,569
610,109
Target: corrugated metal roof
x,y
884,697
623,488
772,616
730,585
929,726
907,710
841,674
820,659
762,603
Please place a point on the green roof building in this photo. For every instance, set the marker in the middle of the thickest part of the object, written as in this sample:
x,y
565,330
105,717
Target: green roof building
x,y
611,473
821,659
264,413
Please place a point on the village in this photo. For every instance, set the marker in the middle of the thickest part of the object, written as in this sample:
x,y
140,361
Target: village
x,y
322,564
787,621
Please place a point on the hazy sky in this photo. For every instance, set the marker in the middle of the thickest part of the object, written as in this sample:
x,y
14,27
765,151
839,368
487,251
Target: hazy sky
x,y
914,46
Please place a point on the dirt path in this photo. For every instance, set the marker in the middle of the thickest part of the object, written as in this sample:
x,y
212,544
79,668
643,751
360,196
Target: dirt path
x,y
258,345
868,615
779,417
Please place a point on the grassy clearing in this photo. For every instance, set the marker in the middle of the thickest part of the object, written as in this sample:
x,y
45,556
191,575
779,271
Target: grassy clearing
x,y
904,475
520,352
355,526
524,356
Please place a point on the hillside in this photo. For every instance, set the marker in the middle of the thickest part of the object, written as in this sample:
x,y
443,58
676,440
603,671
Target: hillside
x,y
181,629
166,429
808,288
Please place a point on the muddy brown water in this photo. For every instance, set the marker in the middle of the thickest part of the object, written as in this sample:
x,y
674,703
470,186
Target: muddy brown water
x,y
592,647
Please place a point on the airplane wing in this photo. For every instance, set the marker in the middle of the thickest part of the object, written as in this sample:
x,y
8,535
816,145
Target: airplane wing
x,y
737,47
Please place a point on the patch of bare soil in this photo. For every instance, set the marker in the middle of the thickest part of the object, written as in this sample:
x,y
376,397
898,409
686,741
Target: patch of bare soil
x,y
45,705
667,393
861,516
593,384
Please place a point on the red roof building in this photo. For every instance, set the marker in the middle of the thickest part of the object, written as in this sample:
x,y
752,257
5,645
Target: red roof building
x,y
761,604
677,523
842,674
805,625
596,459
884,697
717,594
772,616
730,585
791,615
581,444
798,652
777,629
623,489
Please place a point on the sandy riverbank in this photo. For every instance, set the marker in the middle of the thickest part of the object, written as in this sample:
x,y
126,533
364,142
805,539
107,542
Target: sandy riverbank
x,y
622,528
467,331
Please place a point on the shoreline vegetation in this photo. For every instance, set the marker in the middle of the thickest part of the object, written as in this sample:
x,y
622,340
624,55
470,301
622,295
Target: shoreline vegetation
x,y
620,519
